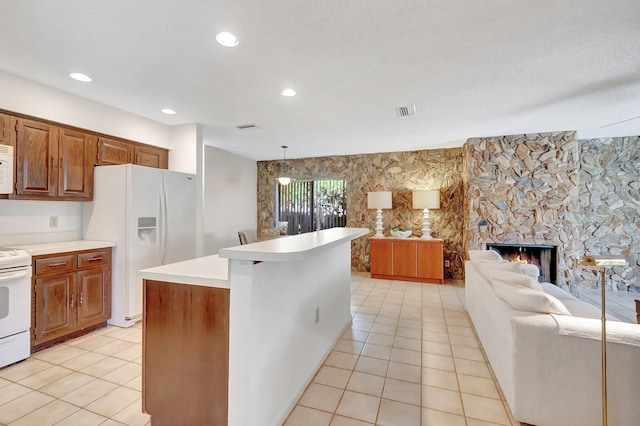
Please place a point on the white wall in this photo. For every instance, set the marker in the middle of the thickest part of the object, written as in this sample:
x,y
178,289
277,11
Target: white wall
x,y
26,222
35,99
229,199
183,148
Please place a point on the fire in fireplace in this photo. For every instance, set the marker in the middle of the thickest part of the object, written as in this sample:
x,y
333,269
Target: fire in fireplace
x,y
543,256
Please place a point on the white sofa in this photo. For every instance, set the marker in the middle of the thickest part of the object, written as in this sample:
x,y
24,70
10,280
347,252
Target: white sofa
x,y
548,364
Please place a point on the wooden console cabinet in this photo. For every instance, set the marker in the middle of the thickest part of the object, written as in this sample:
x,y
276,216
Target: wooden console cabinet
x,y
71,292
407,259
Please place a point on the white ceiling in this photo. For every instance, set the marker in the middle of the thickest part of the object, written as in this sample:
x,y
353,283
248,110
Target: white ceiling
x,y
471,67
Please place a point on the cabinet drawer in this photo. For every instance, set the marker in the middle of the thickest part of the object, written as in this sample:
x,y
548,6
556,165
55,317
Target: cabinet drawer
x,y
60,263
93,258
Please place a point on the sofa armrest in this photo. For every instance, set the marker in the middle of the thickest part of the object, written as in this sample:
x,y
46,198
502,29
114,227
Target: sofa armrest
x,y
557,378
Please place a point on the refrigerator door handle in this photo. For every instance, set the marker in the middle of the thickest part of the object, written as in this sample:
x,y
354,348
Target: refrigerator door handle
x,y
163,223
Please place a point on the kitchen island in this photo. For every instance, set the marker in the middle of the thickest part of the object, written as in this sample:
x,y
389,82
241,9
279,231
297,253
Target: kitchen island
x,y
235,338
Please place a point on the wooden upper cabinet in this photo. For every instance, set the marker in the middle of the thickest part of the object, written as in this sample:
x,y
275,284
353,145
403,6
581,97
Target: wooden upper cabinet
x,y
151,156
7,130
112,152
37,159
75,176
53,162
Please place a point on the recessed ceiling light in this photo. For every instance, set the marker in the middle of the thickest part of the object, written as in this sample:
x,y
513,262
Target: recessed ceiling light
x,y
227,39
168,111
288,92
80,77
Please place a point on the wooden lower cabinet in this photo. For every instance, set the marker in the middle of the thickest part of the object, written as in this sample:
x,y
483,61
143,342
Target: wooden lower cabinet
x,y
55,307
70,294
407,259
185,354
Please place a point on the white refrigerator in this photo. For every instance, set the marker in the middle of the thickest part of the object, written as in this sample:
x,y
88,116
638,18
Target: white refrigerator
x,y
151,216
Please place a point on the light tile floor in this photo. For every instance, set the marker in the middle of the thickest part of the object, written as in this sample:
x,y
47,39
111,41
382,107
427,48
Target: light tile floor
x,y
410,357
92,380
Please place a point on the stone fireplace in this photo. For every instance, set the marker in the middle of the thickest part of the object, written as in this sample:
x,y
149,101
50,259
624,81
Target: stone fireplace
x,y
523,191
545,257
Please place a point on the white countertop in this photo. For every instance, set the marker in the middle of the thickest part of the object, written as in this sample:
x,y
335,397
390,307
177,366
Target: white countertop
x,y
62,246
209,271
294,247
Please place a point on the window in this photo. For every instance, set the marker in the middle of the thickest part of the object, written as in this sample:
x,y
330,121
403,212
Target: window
x,y
305,206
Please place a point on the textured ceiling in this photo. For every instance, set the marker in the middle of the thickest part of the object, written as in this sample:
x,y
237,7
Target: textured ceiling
x,y
472,68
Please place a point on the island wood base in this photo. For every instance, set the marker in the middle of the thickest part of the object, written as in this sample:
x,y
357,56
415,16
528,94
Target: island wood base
x,y
185,354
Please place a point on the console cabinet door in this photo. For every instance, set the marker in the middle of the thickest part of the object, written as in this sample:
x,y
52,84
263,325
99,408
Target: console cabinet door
x,y
94,304
151,156
75,177
404,258
430,260
114,152
55,313
37,159
381,257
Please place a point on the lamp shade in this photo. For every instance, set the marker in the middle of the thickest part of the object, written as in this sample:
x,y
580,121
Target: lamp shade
x,y
429,199
379,200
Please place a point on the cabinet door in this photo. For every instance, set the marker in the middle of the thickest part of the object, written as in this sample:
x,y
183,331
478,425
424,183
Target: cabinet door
x,y
7,130
404,258
94,303
151,156
381,257
114,152
430,260
55,313
75,177
37,159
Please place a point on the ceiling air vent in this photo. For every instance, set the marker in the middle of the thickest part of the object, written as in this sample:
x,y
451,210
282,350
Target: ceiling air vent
x,y
406,111
247,126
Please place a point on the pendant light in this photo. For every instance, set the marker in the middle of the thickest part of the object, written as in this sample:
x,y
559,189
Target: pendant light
x,y
284,176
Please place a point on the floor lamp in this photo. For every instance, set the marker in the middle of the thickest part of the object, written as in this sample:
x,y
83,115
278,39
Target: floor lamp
x,y
426,200
599,264
379,200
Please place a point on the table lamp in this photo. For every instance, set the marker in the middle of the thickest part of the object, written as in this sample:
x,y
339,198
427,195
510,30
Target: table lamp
x,y
379,200
426,200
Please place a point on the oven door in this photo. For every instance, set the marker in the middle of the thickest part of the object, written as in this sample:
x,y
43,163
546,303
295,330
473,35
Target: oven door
x,y
15,300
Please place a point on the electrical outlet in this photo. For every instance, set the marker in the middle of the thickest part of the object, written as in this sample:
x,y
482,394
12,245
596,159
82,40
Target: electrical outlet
x,y
446,263
53,221
362,217
317,314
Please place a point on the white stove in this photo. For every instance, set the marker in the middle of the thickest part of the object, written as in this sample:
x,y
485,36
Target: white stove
x,y
15,306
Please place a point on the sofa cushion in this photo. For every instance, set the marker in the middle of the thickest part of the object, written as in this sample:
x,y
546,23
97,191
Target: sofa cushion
x,y
578,308
485,255
529,269
557,292
491,269
520,279
509,271
525,299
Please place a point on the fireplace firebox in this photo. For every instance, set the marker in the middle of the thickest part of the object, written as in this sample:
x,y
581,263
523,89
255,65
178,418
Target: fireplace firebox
x,y
543,256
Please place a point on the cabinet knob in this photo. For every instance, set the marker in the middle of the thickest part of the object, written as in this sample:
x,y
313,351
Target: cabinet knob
x,y
80,301
72,303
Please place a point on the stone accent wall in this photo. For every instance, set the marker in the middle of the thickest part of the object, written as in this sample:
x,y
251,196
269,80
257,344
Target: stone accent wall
x,y
399,172
523,189
610,204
